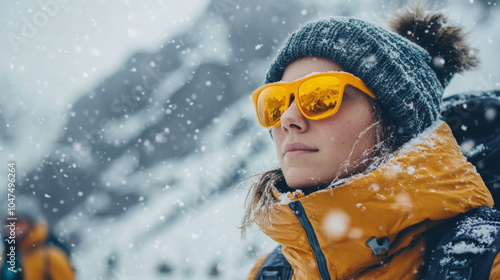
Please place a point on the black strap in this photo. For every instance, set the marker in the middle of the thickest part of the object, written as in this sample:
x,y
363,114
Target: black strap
x,y
467,247
275,267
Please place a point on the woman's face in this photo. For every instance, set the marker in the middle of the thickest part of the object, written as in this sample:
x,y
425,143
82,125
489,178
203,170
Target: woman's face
x,y
315,152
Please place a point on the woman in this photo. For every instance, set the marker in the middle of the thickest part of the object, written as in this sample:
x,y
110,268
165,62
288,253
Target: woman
x,y
366,166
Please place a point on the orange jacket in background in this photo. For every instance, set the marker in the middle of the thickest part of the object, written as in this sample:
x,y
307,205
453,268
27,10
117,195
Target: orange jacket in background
x,y
40,261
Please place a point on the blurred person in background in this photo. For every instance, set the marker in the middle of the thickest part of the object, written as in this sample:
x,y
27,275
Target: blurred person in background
x,y
31,252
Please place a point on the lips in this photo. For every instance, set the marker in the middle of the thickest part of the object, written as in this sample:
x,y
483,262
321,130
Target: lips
x,y
297,148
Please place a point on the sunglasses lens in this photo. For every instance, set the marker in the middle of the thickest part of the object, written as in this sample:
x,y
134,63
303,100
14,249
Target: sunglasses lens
x,y
271,105
319,96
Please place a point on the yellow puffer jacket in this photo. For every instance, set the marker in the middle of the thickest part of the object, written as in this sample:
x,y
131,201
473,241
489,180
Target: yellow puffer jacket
x,y
427,182
39,260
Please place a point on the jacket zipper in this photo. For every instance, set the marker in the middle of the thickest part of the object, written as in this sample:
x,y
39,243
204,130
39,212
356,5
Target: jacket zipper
x,y
300,213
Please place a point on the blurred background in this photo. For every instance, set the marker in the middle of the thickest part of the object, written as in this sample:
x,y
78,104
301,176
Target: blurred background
x,y
131,121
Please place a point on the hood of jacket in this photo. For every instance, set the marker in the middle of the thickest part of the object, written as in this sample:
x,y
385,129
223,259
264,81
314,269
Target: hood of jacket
x,y
426,182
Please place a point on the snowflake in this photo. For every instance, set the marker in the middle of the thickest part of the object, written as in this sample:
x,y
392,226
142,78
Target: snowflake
x,y
122,275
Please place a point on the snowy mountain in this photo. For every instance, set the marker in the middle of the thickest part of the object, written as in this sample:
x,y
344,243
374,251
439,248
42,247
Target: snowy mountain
x,y
136,160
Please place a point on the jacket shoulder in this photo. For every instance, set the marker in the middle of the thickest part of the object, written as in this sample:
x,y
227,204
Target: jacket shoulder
x,y
58,264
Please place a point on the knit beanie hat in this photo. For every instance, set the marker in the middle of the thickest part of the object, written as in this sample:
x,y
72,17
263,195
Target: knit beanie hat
x,y
407,72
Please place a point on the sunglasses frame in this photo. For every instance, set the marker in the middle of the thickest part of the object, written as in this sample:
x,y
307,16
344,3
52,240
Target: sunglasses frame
x,y
293,88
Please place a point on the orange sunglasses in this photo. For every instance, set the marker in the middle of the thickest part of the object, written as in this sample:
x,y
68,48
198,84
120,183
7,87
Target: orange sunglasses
x,y
318,96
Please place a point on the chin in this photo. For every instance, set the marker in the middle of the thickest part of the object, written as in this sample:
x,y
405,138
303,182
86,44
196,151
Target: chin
x,y
298,182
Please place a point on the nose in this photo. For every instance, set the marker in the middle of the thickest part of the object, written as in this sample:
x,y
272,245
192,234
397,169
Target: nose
x,y
293,120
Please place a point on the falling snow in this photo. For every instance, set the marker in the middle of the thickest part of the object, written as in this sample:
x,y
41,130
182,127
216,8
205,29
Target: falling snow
x,y
134,125
336,223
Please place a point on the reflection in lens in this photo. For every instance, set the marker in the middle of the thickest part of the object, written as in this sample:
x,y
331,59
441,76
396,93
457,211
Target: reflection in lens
x,y
271,105
319,95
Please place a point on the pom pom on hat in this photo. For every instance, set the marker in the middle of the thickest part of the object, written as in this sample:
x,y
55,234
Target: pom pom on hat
x,y
445,43
405,78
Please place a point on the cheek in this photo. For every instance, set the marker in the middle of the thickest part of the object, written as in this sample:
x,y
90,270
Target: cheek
x,y
359,117
345,128
363,132
277,138
336,131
